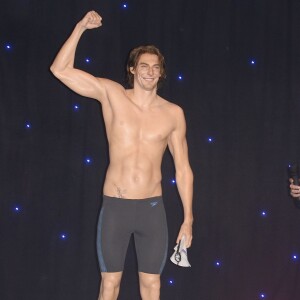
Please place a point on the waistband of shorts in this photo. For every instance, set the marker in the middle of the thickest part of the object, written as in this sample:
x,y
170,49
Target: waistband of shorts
x,y
142,200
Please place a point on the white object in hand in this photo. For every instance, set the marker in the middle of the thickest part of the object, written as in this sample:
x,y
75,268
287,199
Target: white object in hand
x,y
180,257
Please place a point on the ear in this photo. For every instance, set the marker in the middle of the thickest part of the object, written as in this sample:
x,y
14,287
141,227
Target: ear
x,y
132,70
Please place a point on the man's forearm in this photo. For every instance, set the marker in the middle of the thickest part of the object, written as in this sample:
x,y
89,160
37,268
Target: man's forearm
x,y
66,55
185,189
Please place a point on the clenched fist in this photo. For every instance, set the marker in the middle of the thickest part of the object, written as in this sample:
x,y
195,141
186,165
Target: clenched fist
x,y
91,20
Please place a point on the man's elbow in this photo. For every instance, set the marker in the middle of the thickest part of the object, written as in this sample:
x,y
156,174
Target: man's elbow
x,y
54,70
57,70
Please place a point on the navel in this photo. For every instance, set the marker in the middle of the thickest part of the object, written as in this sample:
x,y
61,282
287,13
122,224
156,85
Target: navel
x,y
136,179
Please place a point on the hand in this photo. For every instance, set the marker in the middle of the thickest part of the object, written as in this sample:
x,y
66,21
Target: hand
x,y
185,230
294,189
91,20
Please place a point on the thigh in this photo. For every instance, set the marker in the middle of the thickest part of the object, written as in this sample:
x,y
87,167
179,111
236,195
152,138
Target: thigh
x,y
113,235
151,238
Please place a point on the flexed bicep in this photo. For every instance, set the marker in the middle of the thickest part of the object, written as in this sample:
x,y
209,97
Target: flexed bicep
x,y
63,68
83,83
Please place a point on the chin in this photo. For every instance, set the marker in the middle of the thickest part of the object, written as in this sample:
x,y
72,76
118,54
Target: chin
x,y
152,88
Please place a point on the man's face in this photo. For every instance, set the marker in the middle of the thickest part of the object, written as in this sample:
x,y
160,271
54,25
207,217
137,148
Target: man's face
x,y
147,71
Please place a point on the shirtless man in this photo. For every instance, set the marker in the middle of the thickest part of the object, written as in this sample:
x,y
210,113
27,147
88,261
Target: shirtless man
x,y
139,126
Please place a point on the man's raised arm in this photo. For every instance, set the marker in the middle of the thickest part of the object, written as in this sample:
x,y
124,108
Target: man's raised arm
x,y
63,65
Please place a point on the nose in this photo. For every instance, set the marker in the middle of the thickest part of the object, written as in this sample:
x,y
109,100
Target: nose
x,y
150,70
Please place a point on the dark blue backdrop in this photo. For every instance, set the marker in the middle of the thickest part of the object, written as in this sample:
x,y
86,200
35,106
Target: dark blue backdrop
x,y
239,64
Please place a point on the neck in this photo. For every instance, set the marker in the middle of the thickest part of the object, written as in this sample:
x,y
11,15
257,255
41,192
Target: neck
x,y
143,98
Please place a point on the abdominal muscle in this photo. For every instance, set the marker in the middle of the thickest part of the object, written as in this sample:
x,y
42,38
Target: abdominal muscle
x,y
134,172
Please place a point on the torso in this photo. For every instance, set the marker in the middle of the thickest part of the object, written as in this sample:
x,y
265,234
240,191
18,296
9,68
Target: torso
x,y
137,140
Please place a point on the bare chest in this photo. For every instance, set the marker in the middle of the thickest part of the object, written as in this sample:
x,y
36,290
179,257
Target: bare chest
x,y
140,126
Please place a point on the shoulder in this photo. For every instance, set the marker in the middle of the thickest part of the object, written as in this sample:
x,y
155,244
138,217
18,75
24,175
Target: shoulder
x,y
173,109
175,114
110,84
109,90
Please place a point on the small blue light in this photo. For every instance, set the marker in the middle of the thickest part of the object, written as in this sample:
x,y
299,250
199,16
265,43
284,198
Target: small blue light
x,y
63,236
171,281
124,5
252,61
76,107
8,47
210,139
28,125
87,60
295,257
262,296
17,209
173,181
218,264
180,77
263,213
88,160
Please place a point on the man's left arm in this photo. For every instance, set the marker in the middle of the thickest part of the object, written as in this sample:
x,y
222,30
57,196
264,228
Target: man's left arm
x,y
184,176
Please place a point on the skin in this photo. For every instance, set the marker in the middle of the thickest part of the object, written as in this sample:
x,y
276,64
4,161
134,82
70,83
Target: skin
x,y
140,125
294,189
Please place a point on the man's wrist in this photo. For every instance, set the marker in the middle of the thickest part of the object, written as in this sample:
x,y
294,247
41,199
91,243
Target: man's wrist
x,y
80,28
188,221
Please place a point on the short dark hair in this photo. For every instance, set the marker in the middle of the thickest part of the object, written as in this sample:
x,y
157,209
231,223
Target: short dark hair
x,y
134,57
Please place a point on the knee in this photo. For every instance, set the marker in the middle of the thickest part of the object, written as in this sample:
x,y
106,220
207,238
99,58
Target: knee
x,y
110,284
151,283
